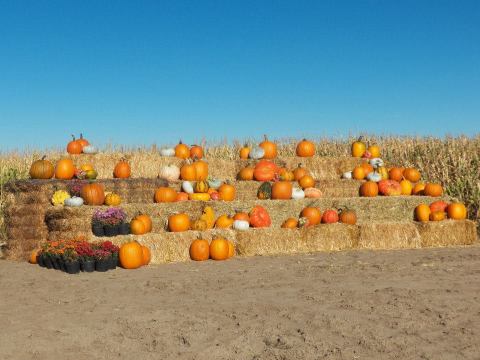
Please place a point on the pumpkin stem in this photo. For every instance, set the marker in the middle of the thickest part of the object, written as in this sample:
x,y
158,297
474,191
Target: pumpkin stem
x,y
73,137
44,157
265,137
81,136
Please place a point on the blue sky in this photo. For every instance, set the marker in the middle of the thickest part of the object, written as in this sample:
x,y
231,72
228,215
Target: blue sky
x,y
142,72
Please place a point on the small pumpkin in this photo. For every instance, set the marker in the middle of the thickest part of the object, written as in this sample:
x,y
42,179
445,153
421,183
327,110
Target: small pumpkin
x,y
348,217
358,148
282,190
165,194
241,216
437,216
313,214
330,216
418,189
196,152
169,173
396,173
83,142
201,186
86,167
167,152
412,174
406,187
64,170
241,225
259,217
91,175
93,194
439,205
290,223
146,255
299,172
182,196
347,175
122,170
113,199
434,190
199,196
42,169
269,148
369,189
256,153
312,192
131,255
227,192
422,213
286,175
199,250
33,256
457,211
245,152
358,173
219,249
182,151
298,194
74,147
224,222
367,168
137,227
178,222
306,181
231,249
74,201
246,173
264,192
374,150
305,148
146,220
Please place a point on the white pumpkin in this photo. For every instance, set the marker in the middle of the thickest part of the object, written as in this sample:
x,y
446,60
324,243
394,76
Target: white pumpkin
x,y
376,162
89,149
241,225
347,175
73,201
167,152
297,194
256,153
169,172
214,183
187,187
374,176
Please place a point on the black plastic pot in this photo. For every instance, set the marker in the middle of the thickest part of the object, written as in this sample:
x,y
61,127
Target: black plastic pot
x,y
40,260
97,230
113,262
72,267
88,265
124,229
48,262
102,265
56,263
111,230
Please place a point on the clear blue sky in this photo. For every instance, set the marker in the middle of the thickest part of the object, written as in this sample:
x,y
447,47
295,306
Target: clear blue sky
x,y
139,72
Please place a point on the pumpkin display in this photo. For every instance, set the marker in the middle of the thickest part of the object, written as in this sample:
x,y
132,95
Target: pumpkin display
x,y
286,175
93,194
241,225
199,250
59,197
196,152
239,215
219,249
256,153
208,215
122,170
181,196
438,205
418,189
358,173
74,201
146,220
259,217
201,170
188,172
348,217
312,193
146,255
201,186
231,249
246,173
406,187
112,199
290,223
167,152
330,216
245,152
64,170
224,222
169,173
131,255
298,194
178,222
42,169
437,216
182,151
165,194
395,173
199,196
412,174
369,189
306,181
188,187
305,148
282,190
265,170
358,148
389,188
374,150
312,214
434,190
264,191
227,192
269,147
422,213
457,211
74,147
33,257
300,172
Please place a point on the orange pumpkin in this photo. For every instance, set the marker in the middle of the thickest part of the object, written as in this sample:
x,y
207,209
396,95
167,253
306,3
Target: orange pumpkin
x,y
269,147
65,170
457,211
178,222
313,214
231,249
131,255
165,194
306,181
246,173
146,220
358,148
286,175
83,142
406,187
244,152
182,196
282,190
33,257
93,194
259,217
366,167
42,169
290,223
299,172
396,173
224,222
226,192
137,227
265,171
438,205
422,213
74,147
418,189
412,174
305,148
358,173
146,255
437,216
201,170
369,189
122,170
374,150
433,190
219,249
241,216
196,152
188,172
312,192
199,250
348,217
182,151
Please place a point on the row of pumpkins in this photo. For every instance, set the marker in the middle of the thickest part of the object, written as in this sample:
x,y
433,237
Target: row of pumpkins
x,y
440,210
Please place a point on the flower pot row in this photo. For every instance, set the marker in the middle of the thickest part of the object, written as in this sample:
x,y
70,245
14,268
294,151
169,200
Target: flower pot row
x,y
100,230
74,266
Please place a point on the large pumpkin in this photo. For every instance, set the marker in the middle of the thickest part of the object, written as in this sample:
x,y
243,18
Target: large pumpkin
x,y
227,192
313,214
265,171
196,152
432,189
182,151
305,148
74,147
282,190
178,222
369,189
269,147
122,170
201,170
199,250
65,170
396,173
389,188
219,249
330,216
259,217
188,171
457,211
246,173
42,169
131,255
412,174
165,194
93,194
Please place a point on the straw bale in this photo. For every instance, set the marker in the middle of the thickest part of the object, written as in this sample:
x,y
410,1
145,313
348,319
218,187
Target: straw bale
x,y
447,233
389,236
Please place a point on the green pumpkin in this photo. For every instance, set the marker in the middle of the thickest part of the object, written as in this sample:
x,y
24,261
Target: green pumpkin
x,y
265,191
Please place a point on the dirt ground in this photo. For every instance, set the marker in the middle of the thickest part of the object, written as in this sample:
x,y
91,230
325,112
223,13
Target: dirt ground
x,y
415,304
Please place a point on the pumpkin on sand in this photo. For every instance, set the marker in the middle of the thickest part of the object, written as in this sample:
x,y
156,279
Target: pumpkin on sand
x,y
199,250
131,255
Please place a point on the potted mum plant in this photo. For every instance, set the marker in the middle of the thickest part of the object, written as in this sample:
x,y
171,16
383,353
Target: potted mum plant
x,y
71,261
111,219
113,250
102,259
86,256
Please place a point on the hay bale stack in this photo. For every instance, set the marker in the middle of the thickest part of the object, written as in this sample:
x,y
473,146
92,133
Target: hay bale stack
x,y
398,235
447,233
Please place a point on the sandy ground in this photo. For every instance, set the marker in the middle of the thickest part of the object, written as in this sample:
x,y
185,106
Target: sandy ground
x,y
415,304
